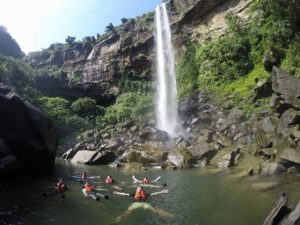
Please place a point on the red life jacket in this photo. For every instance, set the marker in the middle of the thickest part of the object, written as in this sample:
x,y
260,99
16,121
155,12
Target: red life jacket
x,y
88,188
60,187
139,196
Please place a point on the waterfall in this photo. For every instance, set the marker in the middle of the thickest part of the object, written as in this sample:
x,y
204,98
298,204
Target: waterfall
x,y
166,102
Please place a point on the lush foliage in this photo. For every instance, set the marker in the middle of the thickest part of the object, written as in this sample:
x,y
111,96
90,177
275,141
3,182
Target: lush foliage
x,y
226,63
130,105
59,110
18,74
87,108
292,60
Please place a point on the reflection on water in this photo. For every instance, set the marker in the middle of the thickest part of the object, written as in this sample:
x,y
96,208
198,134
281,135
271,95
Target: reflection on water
x,y
196,197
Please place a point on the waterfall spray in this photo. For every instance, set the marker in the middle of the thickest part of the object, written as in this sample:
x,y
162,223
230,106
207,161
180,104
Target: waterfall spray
x,y
166,102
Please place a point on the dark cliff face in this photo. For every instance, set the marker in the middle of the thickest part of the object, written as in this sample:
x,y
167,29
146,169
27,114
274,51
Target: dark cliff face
x,y
93,67
8,45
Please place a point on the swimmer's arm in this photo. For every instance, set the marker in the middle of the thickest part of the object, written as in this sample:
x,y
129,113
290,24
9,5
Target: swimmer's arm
x,y
165,191
121,193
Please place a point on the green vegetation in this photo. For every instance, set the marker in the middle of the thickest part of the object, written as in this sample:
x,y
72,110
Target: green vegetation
x,y
232,63
19,75
59,110
130,105
87,108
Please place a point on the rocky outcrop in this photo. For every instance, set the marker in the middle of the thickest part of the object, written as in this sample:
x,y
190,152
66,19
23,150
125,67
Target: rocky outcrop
x,y
8,45
283,214
27,136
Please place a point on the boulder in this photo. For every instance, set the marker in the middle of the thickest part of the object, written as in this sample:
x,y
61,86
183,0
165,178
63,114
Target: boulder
x,y
133,167
262,89
72,151
114,144
291,155
236,116
181,158
93,157
226,157
282,214
269,169
27,132
146,154
279,211
249,165
202,149
289,117
286,85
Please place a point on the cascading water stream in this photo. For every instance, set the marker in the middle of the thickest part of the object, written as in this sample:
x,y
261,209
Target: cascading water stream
x,y
166,102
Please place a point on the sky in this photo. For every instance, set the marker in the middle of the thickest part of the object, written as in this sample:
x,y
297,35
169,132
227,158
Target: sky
x,y
35,24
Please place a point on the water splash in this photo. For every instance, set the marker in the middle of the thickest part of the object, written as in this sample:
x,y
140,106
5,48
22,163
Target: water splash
x,y
166,102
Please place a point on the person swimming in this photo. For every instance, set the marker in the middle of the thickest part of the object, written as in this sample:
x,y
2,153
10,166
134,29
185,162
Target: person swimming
x,y
139,198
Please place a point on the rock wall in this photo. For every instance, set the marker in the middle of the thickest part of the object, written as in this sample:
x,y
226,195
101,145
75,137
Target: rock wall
x,y
27,136
128,50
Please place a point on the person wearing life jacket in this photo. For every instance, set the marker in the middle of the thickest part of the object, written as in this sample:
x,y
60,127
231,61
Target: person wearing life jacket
x,y
109,180
83,178
139,195
60,186
146,181
88,188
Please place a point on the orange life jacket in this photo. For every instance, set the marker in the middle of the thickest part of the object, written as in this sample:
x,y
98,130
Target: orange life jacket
x,y
139,196
88,188
109,181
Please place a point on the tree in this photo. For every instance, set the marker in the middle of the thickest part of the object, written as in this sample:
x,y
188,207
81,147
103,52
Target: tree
x,y
124,20
86,107
70,40
110,27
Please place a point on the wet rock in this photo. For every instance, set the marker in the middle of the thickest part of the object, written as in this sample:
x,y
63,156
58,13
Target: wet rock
x,y
146,154
71,152
202,148
250,165
269,169
181,158
133,167
114,144
84,157
282,214
291,155
226,157
93,157
294,217
269,153
236,116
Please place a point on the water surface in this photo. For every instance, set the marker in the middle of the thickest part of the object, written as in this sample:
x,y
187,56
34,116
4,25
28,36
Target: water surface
x,y
196,197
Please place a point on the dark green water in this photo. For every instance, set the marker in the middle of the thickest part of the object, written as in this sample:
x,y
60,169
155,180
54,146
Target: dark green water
x,y
196,197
